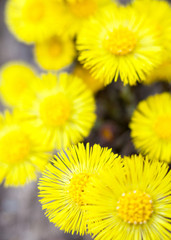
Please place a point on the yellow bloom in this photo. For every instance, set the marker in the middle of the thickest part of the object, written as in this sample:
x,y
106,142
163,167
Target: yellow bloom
x,y
30,20
160,13
74,13
151,127
131,203
92,83
64,182
118,41
16,80
64,109
54,53
161,73
22,153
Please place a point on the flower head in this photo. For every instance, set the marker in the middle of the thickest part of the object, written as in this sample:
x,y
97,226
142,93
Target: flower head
x,y
54,53
73,13
16,80
30,20
118,41
131,202
64,182
151,127
22,151
161,73
159,12
64,109
92,83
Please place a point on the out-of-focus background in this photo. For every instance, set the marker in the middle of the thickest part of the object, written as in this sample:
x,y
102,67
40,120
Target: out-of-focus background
x,y
21,216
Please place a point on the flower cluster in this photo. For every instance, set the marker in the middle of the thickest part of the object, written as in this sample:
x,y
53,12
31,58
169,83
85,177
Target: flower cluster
x,y
84,189
92,190
57,110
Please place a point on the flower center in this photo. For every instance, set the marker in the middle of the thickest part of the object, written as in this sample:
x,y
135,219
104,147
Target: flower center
x,y
77,187
82,8
121,41
135,207
55,110
163,127
54,47
34,11
14,147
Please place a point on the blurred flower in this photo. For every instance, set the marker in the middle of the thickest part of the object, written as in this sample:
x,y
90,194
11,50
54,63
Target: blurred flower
x,y
64,182
151,127
54,53
92,83
22,153
131,202
64,109
16,80
118,41
74,13
160,13
30,20
161,73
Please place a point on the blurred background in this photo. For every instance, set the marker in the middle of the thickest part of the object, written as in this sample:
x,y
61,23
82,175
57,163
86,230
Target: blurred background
x,y
21,216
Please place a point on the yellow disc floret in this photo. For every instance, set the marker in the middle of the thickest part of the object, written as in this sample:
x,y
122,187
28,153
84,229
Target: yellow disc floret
x,y
55,109
77,187
135,207
121,41
83,8
14,153
162,127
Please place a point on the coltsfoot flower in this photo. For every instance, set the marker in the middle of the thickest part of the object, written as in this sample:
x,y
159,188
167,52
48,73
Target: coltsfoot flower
x,y
22,152
16,82
119,42
131,202
64,183
73,13
30,20
151,127
54,53
64,109
92,83
159,12
161,73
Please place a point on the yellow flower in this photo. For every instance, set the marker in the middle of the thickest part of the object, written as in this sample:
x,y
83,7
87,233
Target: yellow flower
x,y
151,127
64,109
159,12
16,80
92,83
22,153
74,13
161,73
30,20
131,203
64,182
118,41
54,53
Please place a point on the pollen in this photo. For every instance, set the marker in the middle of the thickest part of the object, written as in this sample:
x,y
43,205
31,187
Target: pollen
x,y
83,8
55,110
14,147
135,207
121,42
162,127
34,11
77,187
